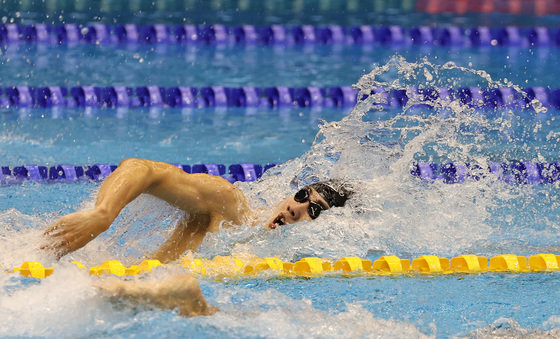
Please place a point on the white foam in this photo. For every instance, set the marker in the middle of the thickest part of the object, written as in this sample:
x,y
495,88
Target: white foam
x,y
272,314
64,304
509,328
392,213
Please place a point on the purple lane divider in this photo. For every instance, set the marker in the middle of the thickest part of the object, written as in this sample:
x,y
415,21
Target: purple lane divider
x,y
363,35
246,34
539,36
480,37
215,96
515,172
116,96
20,96
279,96
151,96
214,169
422,35
332,34
72,173
450,36
245,171
182,96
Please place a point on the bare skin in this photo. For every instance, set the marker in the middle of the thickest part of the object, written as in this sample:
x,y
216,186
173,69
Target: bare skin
x,y
290,211
209,200
180,292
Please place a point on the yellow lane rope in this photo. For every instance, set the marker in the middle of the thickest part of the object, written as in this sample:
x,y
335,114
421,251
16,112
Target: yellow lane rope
x,y
229,266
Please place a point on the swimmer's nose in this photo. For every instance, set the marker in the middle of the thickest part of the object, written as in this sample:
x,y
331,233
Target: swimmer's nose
x,y
297,211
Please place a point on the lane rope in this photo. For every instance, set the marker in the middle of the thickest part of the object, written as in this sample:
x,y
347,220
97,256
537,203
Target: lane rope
x,y
267,97
514,172
179,96
235,267
218,34
98,172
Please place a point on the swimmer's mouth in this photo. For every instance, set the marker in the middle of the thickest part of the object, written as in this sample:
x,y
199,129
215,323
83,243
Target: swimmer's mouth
x,y
278,221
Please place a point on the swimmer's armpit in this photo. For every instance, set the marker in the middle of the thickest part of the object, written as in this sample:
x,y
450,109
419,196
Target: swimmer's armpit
x,y
180,292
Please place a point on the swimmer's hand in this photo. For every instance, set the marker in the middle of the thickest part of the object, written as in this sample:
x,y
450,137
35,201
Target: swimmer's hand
x,y
179,291
73,231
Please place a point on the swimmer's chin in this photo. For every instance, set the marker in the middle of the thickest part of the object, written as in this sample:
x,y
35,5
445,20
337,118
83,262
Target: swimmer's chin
x,y
270,225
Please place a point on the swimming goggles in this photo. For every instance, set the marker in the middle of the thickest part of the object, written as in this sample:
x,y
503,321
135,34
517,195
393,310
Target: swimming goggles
x,y
314,209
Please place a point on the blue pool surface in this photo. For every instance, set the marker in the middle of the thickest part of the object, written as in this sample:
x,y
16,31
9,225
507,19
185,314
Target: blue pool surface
x,y
394,212
262,66
235,12
172,135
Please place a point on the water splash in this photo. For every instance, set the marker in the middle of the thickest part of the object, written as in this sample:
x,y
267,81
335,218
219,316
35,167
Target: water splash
x,y
509,328
374,147
272,314
392,213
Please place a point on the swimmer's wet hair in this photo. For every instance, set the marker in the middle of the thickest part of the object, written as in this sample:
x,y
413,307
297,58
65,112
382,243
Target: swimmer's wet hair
x,y
335,192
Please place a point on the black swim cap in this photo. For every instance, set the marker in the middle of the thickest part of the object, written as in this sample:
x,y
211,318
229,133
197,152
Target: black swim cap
x,y
333,191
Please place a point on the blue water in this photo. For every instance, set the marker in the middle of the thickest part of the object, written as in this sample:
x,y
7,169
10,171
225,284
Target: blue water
x,y
442,306
262,66
235,12
400,214
172,135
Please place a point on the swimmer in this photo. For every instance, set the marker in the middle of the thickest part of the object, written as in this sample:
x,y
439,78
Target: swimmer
x,y
208,200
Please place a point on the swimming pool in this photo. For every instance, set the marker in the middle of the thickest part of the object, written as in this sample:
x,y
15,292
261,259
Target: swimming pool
x,y
395,214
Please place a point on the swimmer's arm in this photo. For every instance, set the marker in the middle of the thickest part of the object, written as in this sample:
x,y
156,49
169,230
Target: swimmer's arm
x,y
195,193
187,235
180,292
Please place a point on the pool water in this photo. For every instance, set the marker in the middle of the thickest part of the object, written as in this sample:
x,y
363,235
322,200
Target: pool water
x,y
254,12
262,66
108,136
394,213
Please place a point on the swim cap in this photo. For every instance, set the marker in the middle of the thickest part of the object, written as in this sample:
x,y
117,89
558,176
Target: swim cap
x,y
333,196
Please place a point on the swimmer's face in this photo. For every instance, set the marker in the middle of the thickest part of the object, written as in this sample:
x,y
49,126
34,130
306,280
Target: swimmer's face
x,y
304,206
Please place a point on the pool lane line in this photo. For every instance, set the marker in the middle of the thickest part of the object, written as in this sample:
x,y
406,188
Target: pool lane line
x,y
66,173
512,172
251,267
219,34
271,97
177,96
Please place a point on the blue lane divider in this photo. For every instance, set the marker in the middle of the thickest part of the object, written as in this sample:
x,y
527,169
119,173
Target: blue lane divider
x,y
515,172
180,96
98,172
453,36
271,97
